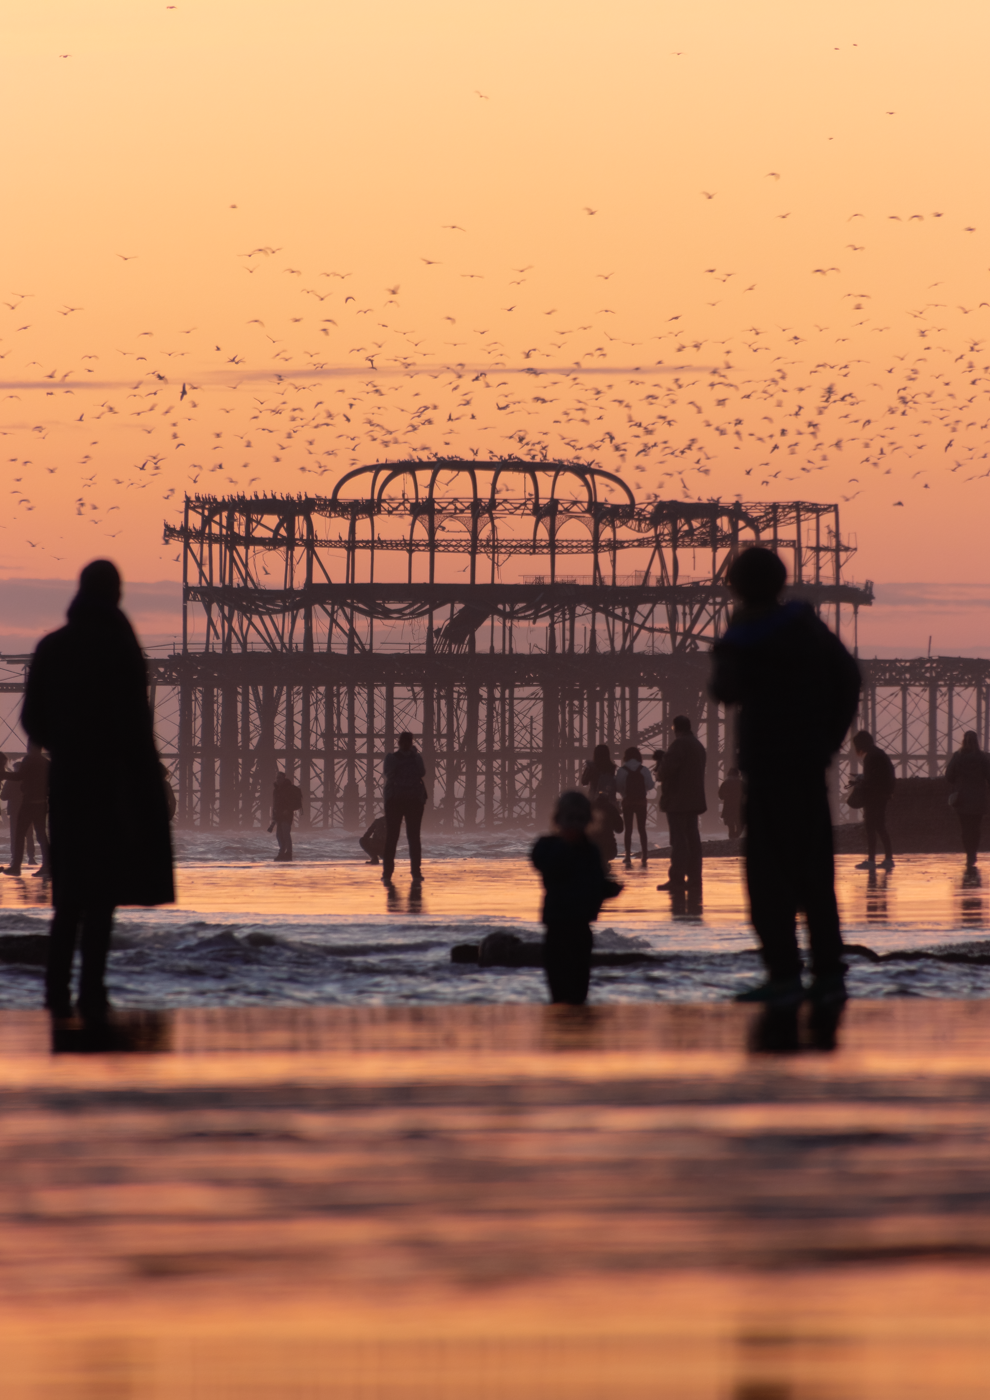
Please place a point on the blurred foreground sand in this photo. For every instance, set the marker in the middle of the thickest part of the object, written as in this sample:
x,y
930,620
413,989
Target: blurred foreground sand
x,y
498,1201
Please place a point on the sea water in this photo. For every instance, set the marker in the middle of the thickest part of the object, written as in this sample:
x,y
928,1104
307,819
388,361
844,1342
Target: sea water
x,y
247,931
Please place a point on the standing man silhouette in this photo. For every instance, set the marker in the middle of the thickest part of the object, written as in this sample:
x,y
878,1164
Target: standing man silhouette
x,y
797,689
86,694
405,799
682,799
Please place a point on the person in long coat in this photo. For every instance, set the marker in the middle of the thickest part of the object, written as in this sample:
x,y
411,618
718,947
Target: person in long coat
x,y
86,702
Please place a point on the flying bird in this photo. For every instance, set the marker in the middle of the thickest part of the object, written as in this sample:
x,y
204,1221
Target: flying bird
x,y
590,211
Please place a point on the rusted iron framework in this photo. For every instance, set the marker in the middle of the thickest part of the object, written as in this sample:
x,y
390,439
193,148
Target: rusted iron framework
x,y
511,614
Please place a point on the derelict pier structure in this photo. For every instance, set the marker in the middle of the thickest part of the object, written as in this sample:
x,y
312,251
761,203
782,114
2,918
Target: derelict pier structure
x,y
511,614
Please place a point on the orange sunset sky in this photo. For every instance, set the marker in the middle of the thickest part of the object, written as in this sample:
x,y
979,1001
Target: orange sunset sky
x,y
746,247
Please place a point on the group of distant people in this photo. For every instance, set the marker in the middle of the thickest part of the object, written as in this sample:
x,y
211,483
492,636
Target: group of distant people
x,y
796,688
793,683
618,797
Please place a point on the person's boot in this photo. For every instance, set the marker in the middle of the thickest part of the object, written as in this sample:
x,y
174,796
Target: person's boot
x,y
868,864
58,1002
829,989
779,992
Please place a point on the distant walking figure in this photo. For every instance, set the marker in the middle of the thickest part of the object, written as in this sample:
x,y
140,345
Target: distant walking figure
x,y
87,694
32,812
872,791
969,782
286,802
576,886
730,794
797,689
682,798
599,773
633,781
405,799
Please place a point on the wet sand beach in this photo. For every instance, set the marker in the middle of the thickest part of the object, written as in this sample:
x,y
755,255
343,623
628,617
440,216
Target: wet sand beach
x,y
498,1200
247,932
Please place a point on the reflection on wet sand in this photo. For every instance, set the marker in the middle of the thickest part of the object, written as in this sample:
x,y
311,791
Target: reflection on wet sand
x,y
478,1201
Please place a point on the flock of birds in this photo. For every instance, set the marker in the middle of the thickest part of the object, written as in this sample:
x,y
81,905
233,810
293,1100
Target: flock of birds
x,y
340,373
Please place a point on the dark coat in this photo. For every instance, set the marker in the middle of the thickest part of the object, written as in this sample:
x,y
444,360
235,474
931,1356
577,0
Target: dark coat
x,y
682,776
597,779
797,689
969,778
574,879
86,702
878,779
405,775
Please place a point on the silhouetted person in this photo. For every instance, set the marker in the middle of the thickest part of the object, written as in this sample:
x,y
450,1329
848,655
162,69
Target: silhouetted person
x,y
730,794
682,799
606,823
405,799
599,773
874,787
286,802
969,780
797,689
32,812
632,782
87,693
171,805
576,886
373,841
12,793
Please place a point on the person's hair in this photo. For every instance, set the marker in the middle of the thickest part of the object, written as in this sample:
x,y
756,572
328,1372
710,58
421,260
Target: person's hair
x,y
757,575
682,725
573,810
603,756
404,736
632,752
971,741
279,774
99,582
733,773
863,739
657,755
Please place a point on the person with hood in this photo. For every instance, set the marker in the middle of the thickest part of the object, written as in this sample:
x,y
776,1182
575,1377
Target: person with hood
x,y
969,784
86,693
797,689
599,773
576,887
682,799
632,782
405,800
